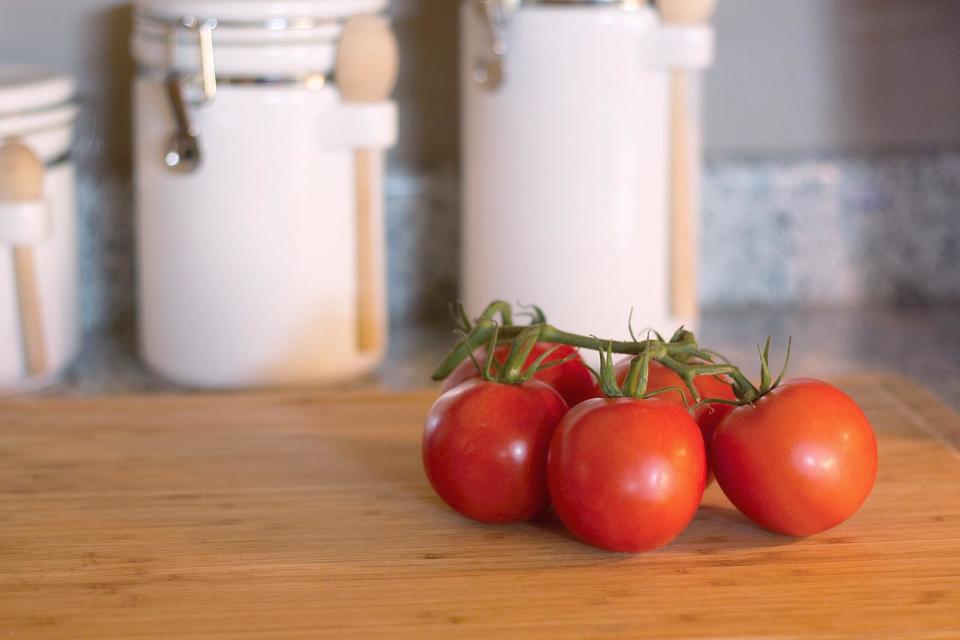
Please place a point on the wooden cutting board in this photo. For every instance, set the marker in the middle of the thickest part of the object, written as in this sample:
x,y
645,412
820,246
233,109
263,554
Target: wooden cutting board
x,y
303,515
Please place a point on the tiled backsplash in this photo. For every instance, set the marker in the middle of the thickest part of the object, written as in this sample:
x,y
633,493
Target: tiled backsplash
x,y
105,211
810,231
819,231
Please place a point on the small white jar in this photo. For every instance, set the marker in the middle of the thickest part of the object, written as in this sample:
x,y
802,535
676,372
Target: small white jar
x,y
247,260
37,110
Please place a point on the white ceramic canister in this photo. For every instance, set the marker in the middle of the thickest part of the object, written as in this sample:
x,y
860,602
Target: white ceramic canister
x,y
37,110
565,132
247,255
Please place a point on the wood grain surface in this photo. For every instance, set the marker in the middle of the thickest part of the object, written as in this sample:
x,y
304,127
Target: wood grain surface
x,y
684,195
31,310
371,250
306,515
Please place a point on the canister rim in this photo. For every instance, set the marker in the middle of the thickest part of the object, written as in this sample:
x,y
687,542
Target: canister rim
x,y
623,2
26,89
513,5
37,121
265,14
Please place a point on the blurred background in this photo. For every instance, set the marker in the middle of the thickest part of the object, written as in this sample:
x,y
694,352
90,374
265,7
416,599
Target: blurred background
x,y
831,183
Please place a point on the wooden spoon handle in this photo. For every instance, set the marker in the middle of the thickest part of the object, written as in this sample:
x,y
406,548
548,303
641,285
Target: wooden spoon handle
x,y
683,203
371,288
31,327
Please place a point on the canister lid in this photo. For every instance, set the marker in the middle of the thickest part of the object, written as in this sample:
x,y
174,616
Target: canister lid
x,y
255,12
25,89
250,39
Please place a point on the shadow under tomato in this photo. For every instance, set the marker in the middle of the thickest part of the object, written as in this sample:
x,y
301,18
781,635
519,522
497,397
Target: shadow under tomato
x,y
548,522
574,551
716,528
392,469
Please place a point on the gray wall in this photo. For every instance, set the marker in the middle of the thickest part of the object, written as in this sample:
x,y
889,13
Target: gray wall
x,y
834,76
791,75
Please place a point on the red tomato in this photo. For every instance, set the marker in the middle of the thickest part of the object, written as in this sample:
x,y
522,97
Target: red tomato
x,y
626,474
485,448
800,461
714,387
572,380
707,416
660,377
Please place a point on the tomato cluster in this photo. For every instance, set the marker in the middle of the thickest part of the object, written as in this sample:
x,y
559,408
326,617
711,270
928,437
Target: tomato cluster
x,y
627,472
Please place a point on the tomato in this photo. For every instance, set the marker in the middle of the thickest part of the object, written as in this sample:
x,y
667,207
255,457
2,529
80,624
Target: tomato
x,y
660,377
707,416
572,380
799,461
714,387
485,448
626,474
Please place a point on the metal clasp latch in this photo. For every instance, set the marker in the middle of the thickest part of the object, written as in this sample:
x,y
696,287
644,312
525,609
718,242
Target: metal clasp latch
x,y
208,74
489,66
182,154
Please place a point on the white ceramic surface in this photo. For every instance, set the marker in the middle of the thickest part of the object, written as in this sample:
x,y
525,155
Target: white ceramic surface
x,y
247,266
565,164
246,42
26,88
24,222
48,226
259,10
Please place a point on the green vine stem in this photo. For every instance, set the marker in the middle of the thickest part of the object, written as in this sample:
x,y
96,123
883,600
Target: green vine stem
x,y
687,350
681,354
635,384
520,349
480,335
501,308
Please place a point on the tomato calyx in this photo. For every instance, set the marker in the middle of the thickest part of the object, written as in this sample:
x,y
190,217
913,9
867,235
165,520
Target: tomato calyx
x,y
486,332
767,384
515,369
747,392
675,356
637,379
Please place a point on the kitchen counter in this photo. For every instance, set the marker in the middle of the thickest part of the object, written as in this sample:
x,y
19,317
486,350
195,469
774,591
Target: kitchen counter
x,y
306,514
922,343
